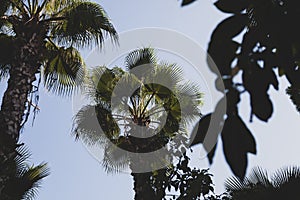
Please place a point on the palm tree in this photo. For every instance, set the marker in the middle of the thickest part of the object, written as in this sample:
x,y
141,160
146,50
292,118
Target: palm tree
x,y
24,180
284,184
149,99
39,40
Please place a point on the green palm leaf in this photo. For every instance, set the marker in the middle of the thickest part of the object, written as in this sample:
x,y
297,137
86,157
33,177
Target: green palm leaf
x,y
139,57
84,24
54,7
24,180
113,160
64,70
102,83
94,125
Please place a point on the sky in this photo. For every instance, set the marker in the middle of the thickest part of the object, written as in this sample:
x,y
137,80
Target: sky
x,y
77,175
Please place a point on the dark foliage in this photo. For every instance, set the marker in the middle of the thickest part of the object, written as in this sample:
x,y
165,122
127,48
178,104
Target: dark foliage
x,y
258,185
22,180
184,183
269,48
187,2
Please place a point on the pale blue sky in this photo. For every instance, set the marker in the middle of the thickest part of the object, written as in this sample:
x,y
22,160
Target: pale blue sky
x,y
75,175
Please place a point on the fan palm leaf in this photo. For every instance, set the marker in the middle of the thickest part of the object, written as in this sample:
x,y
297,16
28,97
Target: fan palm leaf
x,y
140,57
63,70
258,185
83,24
24,180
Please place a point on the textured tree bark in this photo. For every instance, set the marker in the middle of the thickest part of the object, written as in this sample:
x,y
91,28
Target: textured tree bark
x,y
15,99
22,75
142,186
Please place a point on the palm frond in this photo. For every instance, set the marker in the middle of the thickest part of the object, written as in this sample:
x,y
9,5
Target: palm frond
x,y
84,24
286,175
190,99
32,179
128,86
258,185
64,71
24,181
20,7
114,160
103,81
54,7
140,57
234,184
20,160
86,126
259,176
168,74
95,125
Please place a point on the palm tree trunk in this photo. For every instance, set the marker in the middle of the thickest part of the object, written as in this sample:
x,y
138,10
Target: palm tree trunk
x,y
142,186
142,181
14,102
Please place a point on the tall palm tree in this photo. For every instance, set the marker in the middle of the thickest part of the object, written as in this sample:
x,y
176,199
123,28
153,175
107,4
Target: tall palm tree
x,y
283,185
149,99
41,39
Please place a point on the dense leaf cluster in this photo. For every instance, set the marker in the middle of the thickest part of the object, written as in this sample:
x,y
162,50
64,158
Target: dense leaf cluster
x,y
184,183
251,48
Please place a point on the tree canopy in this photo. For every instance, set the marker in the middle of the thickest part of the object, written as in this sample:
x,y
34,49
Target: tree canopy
x,y
252,48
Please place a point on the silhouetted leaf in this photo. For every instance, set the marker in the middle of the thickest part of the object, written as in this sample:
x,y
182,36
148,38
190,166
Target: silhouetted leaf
x,y
237,142
222,59
233,98
211,153
201,129
262,106
258,80
294,96
222,39
187,2
231,26
273,79
201,132
232,6
64,70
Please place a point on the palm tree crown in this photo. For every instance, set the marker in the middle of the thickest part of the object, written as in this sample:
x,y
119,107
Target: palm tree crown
x,y
125,100
140,110
41,38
